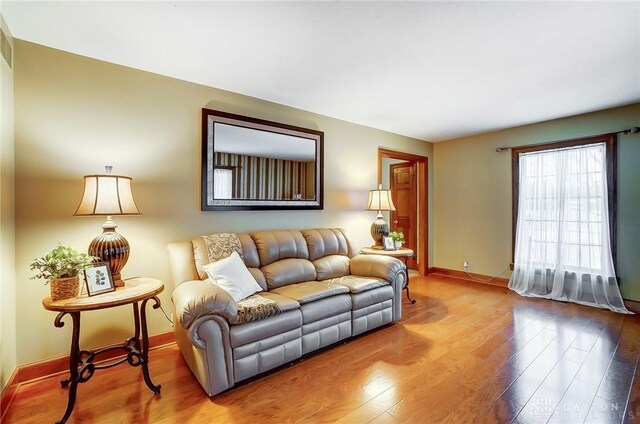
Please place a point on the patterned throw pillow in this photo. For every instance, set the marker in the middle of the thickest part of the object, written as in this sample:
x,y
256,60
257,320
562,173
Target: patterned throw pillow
x,y
222,245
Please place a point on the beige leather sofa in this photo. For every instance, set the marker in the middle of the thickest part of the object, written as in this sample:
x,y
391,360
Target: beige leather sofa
x,y
325,293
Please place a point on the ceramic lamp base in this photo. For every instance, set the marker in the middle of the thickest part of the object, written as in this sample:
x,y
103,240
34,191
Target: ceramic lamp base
x,y
379,228
112,248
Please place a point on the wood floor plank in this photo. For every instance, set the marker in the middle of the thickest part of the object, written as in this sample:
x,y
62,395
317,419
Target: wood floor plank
x,y
370,410
482,404
464,353
632,411
474,334
442,371
604,411
543,403
575,404
385,418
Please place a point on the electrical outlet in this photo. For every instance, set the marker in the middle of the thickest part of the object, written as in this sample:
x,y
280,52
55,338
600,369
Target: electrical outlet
x,y
466,265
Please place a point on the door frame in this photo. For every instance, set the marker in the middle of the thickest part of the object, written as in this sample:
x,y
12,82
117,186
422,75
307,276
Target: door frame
x,y
422,165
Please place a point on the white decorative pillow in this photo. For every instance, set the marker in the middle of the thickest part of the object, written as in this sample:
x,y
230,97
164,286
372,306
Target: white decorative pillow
x,y
232,275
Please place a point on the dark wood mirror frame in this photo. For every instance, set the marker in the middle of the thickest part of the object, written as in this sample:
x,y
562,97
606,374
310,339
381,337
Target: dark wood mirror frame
x,y
263,128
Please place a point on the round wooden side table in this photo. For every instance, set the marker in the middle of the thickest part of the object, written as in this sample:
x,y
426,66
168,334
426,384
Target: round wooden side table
x,y
403,254
81,366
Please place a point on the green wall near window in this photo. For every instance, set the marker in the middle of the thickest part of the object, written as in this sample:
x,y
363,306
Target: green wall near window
x,y
629,212
472,193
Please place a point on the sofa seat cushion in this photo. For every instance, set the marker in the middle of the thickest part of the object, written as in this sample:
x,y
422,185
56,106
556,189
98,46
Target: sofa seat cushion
x,y
311,290
324,308
284,303
371,297
257,330
357,284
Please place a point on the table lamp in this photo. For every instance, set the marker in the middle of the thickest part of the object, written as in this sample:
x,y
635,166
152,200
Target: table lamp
x,y
108,195
379,200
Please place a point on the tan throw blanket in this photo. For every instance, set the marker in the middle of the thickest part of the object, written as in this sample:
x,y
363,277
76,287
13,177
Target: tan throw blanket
x,y
255,308
222,245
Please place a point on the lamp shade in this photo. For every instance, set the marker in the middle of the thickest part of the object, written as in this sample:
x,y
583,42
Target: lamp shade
x,y
380,200
107,195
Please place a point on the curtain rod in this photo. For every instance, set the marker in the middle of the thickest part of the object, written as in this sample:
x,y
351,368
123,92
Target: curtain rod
x,y
634,130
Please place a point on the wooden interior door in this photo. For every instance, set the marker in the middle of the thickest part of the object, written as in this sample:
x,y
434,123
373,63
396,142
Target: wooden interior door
x,y
403,193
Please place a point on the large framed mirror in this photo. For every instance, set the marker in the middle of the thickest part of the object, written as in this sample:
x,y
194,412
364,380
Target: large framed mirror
x,y
253,164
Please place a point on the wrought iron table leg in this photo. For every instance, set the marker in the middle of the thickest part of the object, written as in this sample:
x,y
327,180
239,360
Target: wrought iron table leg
x,y
145,344
74,376
408,295
406,286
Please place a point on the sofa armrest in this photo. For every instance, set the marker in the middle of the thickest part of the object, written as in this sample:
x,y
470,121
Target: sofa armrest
x,y
195,299
202,311
387,267
378,266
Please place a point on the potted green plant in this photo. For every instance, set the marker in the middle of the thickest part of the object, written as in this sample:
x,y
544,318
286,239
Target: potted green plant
x,y
398,238
61,268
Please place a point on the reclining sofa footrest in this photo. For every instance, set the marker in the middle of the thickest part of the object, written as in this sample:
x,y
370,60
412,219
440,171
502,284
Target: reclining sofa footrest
x,y
372,316
325,332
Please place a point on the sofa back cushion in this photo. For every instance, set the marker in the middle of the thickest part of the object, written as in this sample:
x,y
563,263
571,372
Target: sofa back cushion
x,y
323,242
332,266
251,258
288,271
324,253
276,245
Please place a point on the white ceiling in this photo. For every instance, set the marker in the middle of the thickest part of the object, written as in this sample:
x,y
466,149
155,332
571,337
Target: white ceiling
x,y
430,70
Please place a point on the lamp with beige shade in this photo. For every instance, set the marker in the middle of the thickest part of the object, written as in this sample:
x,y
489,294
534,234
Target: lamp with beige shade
x,y
379,200
108,195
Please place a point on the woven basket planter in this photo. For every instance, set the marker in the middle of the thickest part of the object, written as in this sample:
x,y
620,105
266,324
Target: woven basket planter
x,y
65,288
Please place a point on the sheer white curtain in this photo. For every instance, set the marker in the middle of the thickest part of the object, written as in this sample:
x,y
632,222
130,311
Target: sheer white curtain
x,y
563,248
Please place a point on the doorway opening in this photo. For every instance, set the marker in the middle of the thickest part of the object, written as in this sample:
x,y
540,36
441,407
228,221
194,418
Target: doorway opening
x,y
406,175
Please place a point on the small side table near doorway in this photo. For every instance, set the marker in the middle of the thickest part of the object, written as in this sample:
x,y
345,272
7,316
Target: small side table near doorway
x,y
81,366
403,254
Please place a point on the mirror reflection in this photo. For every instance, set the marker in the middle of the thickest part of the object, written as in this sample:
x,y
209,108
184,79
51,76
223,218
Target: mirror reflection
x,y
256,164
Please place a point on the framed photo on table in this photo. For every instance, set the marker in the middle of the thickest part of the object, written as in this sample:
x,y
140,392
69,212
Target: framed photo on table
x,y
98,279
388,243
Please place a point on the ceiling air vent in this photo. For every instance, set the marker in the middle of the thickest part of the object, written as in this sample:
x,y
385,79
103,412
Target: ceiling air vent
x,y
5,47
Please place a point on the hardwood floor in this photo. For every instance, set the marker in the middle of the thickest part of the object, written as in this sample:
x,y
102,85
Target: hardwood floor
x,y
464,353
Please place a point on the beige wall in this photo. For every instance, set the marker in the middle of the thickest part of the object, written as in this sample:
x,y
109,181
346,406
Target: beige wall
x,y
472,200
7,223
74,115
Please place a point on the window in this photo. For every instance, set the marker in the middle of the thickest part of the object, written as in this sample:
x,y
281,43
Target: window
x,y
563,211
223,183
564,197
